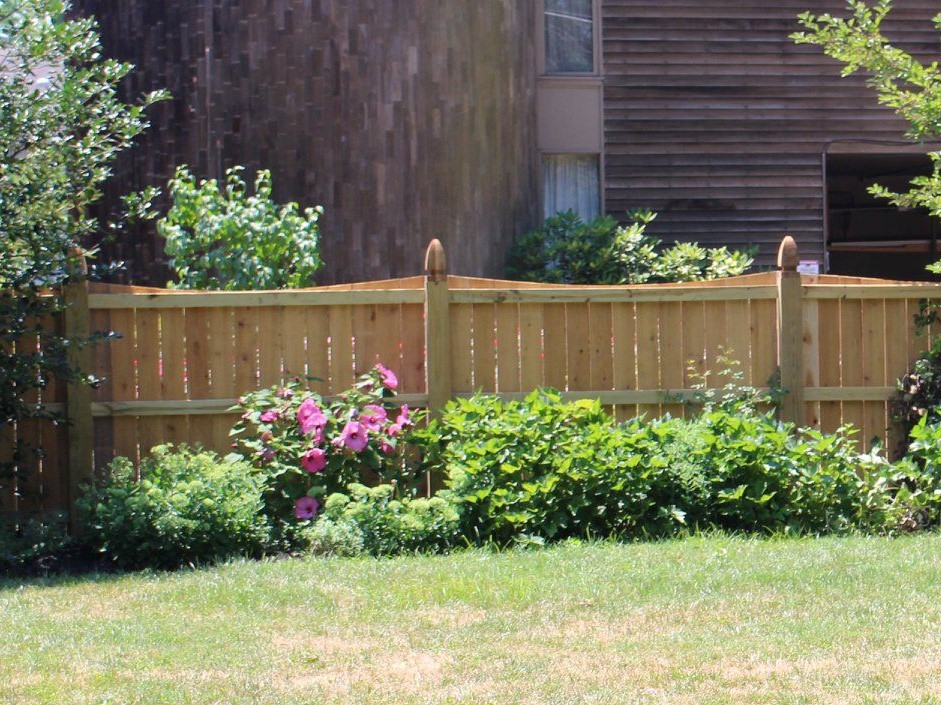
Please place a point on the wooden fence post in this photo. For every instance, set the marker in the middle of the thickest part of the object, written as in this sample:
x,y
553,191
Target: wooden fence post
x,y
437,329
790,332
78,400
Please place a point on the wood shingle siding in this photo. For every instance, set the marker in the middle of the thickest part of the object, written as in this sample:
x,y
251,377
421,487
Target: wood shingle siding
x,y
716,120
405,119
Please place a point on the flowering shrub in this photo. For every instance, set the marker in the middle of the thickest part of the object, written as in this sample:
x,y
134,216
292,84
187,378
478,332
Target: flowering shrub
x,y
308,448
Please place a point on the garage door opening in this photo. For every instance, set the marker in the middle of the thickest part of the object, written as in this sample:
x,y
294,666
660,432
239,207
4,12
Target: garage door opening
x,y
868,236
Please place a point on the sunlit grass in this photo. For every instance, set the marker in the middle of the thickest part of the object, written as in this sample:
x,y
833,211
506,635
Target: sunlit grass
x,y
703,620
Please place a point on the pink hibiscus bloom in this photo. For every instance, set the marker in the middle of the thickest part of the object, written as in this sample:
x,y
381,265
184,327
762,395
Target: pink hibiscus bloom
x,y
310,416
373,417
314,460
306,508
403,419
354,436
394,430
386,447
270,416
389,379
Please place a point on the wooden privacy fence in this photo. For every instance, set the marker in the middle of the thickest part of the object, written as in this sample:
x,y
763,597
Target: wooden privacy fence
x,y
184,357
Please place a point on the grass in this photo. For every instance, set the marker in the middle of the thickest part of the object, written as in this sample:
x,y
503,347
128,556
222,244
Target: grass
x,y
702,620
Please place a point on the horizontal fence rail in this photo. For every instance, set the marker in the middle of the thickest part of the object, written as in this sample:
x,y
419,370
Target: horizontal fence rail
x,y
837,345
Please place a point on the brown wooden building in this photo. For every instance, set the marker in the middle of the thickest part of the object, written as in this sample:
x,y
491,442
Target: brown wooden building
x,y
469,119
405,119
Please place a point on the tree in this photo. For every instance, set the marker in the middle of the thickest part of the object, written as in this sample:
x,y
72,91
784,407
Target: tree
x,y
912,89
61,125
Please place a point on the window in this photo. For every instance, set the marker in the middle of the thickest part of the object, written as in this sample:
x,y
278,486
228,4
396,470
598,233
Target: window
x,y
571,182
569,36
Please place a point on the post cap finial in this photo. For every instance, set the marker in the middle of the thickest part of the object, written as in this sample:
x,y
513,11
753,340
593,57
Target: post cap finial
x,y
788,257
435,263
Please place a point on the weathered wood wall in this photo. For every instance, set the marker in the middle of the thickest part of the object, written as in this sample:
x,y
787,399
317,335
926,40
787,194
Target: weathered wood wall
x,y
405,119
716,120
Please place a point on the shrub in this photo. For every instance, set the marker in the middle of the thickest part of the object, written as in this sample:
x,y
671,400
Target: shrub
x,y
307,449
31,543
919,391
915,482
224,238
567,250
545,468
189,506
371,520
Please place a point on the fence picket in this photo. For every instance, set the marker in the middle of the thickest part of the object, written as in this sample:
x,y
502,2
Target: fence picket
x,y
624,373
180,350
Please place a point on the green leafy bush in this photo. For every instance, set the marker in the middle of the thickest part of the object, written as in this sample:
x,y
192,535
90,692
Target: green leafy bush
x,y
371,520
545,468
189,506
30,543
224,238
915,482
566,250
307,449
919,391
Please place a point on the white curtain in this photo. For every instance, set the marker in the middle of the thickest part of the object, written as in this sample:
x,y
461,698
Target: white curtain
x,y
569,46
570,182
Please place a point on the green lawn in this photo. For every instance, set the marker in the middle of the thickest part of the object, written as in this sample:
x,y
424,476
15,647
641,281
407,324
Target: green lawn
x,y
704,620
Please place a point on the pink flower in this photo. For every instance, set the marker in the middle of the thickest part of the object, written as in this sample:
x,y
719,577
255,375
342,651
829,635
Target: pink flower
x,y
394,430
388,376
386,447
306,508
314,460
373,416
270,416
354,436
310,416
403,419
316,436
285,393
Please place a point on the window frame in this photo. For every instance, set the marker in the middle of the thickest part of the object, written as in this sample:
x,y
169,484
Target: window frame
x,y
541,42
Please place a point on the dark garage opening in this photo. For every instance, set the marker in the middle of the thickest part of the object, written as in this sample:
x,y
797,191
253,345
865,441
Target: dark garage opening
x,y
868,236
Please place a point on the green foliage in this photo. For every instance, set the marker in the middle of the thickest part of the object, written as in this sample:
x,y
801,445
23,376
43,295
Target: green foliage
x,y
225,238
567,250
916,480
307,449
919,391
189,506
30,543
548,469
61,125
901,82
542,467
372,520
